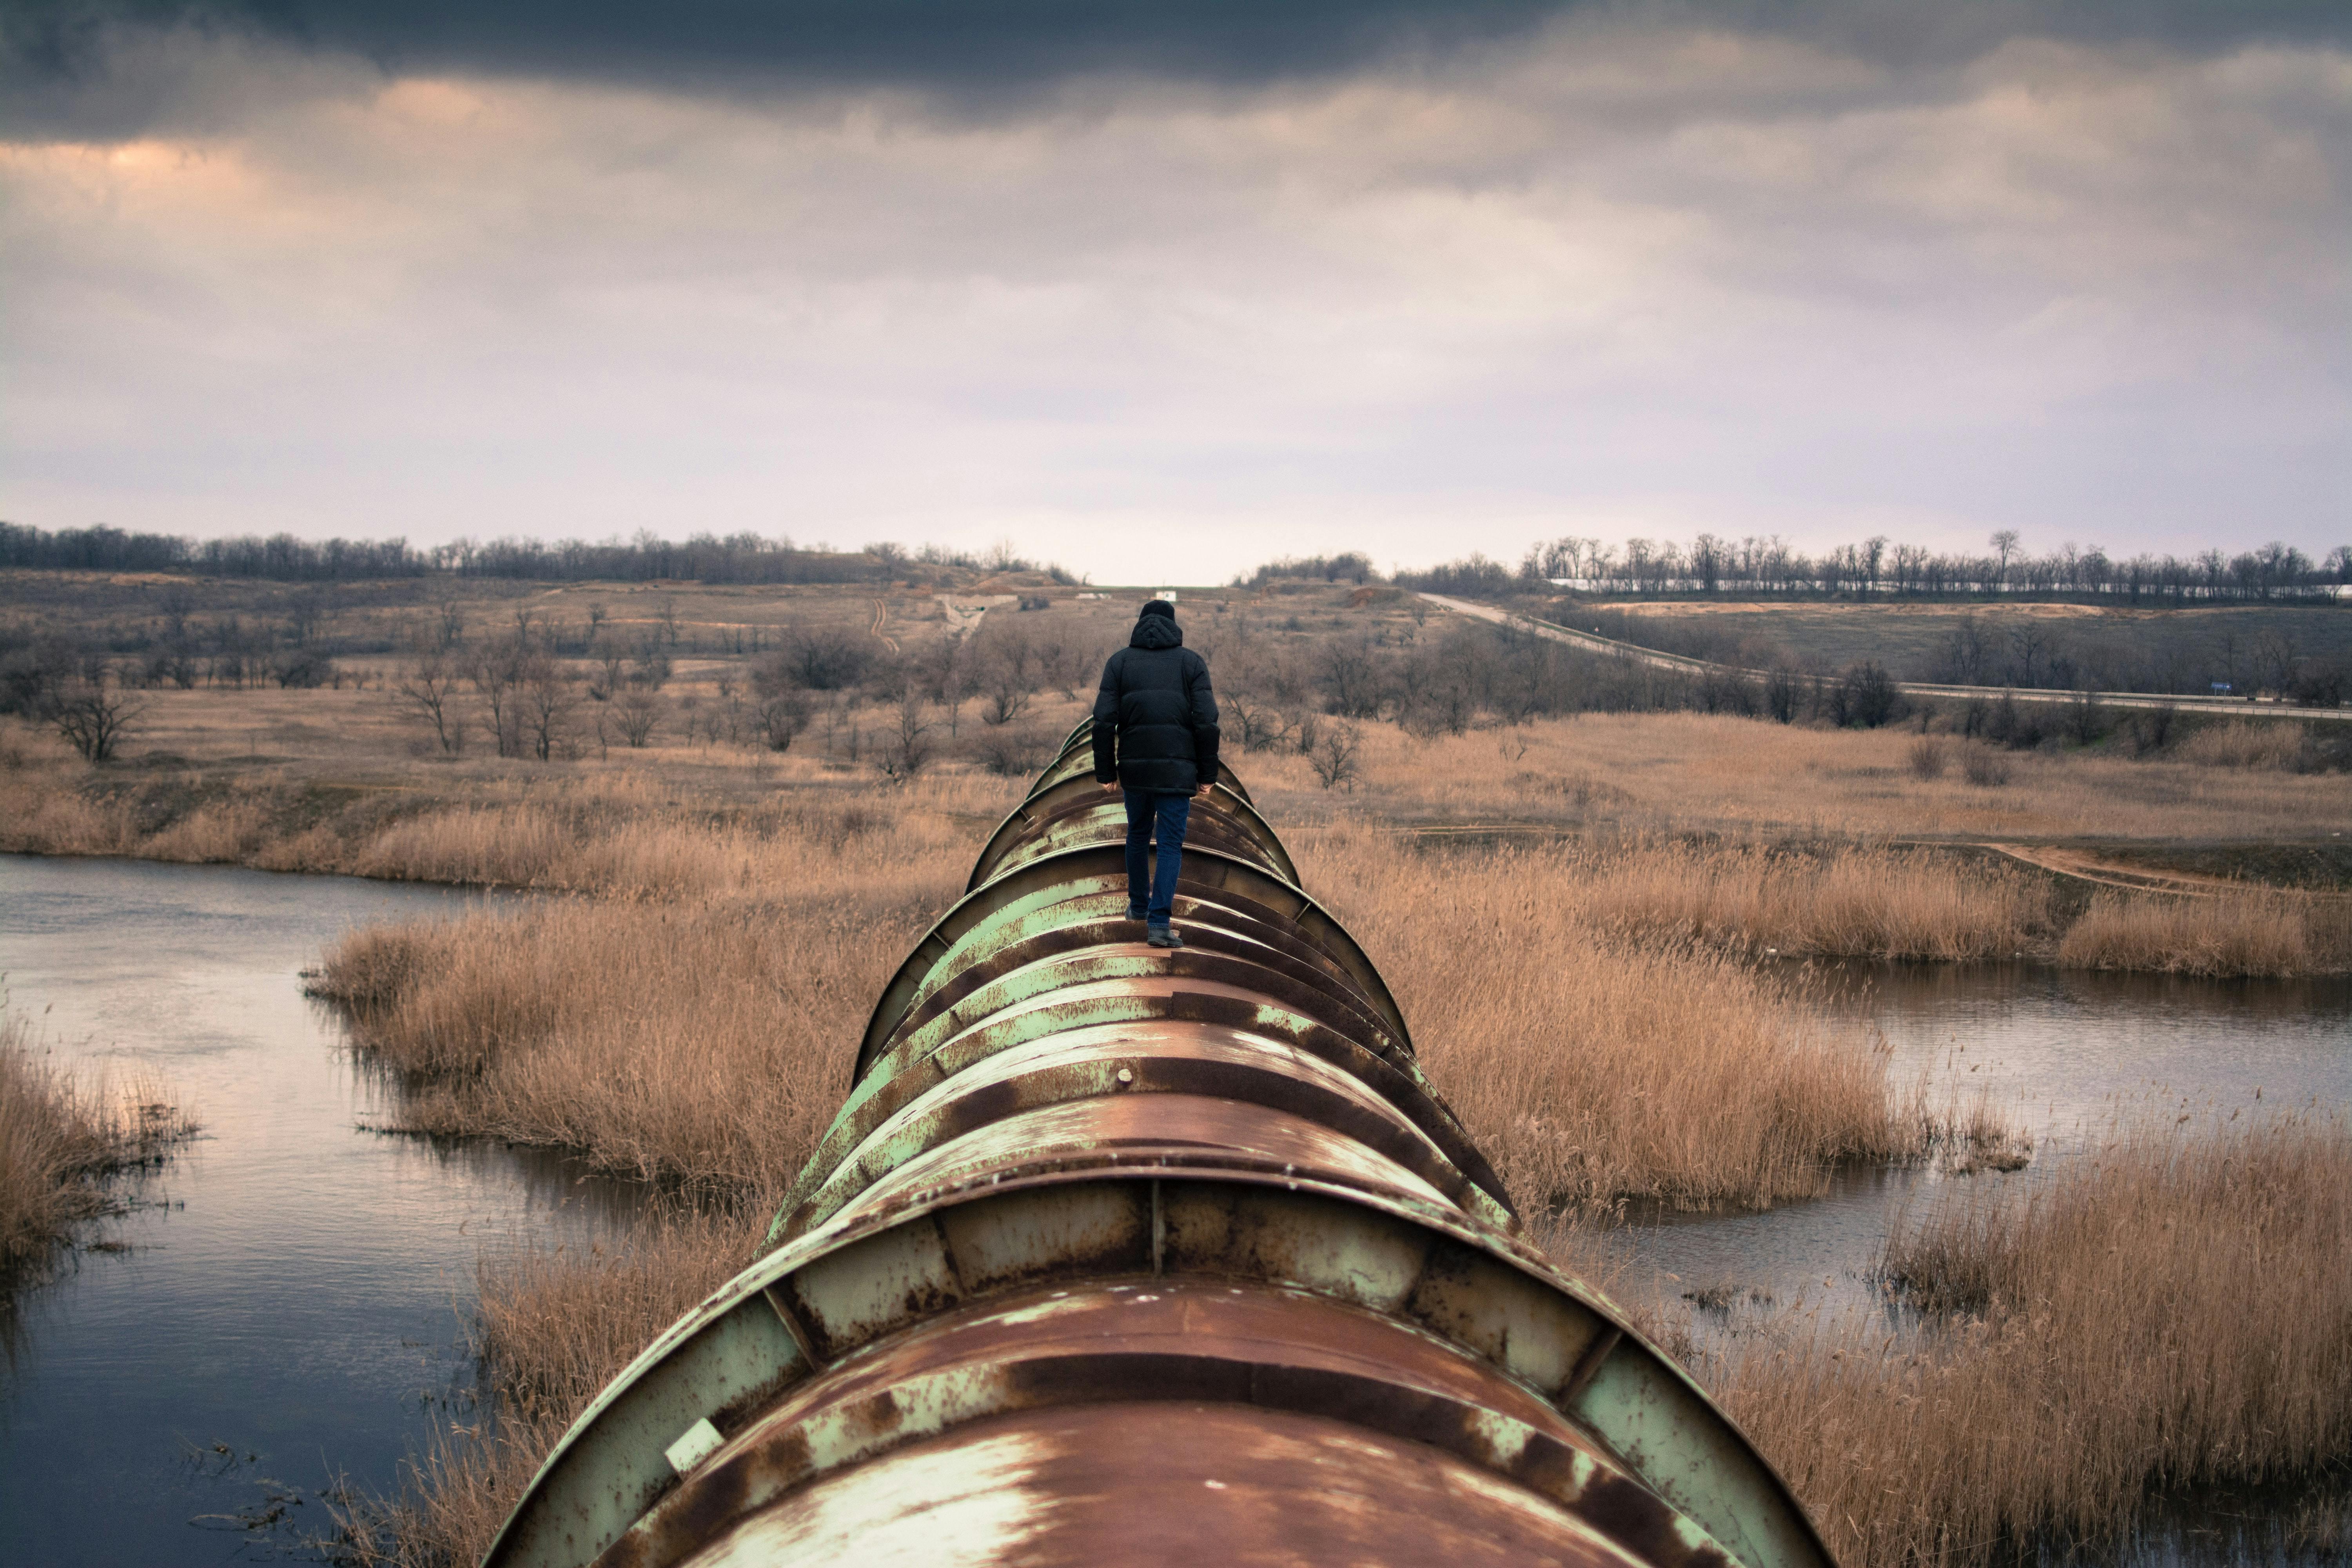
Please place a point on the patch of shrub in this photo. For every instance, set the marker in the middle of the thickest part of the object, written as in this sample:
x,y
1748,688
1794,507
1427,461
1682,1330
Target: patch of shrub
x,y
1983,766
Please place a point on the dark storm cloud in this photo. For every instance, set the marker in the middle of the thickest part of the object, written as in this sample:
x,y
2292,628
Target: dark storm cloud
x,y
64,58
81,59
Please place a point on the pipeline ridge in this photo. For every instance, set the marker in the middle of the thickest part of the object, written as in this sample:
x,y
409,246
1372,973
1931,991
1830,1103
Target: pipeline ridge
x,y
1117,1254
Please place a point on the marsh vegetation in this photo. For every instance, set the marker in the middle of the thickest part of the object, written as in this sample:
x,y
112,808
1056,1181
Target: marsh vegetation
x,y
65,1141
754,801
2171,1309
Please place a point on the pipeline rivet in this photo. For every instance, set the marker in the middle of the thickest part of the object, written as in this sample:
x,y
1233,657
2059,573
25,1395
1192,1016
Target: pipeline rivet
x,y
1125,1076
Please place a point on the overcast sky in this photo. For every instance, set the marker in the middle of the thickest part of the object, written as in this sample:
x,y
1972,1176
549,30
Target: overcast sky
x,y
1160,291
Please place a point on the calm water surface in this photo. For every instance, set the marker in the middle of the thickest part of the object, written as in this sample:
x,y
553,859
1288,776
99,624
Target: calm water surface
x,y
292,1303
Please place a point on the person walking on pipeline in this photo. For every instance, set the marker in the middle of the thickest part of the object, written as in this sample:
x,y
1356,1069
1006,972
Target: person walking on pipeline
x,y
1156,738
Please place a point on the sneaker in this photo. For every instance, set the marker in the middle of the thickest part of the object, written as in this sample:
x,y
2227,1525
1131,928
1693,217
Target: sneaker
x,y
1160,936
1135,916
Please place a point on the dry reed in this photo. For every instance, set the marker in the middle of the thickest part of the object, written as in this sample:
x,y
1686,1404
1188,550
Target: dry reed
x,y
703,1043
60,1138
1842,903
1592,1065
2248,931
707,1041
2271,747
616,834
697,1027
2174,1309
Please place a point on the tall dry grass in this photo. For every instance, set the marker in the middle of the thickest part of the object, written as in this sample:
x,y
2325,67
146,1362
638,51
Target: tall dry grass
x,y
696,1024
621,834
60,1138
2173,1311
2253,932
1593,1060
1844,902
705,1042
2271,747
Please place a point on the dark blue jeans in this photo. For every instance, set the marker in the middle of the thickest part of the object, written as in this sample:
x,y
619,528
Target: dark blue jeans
x,y
1147,810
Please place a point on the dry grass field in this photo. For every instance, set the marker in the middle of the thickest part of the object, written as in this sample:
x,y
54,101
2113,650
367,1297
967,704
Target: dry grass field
x,y
1791,837
1910,638
1744,779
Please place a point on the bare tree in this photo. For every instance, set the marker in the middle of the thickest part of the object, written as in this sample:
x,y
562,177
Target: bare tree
x,y
636,715
93,718
177,602
429,688
779,717
498,672
2004,540
1007,668
1334,757
2276,659
1352,676
606,680
1258,723
815,658
304,613
906,747
651,667
545,698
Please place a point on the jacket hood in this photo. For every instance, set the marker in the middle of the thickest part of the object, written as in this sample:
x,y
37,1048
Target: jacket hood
x,y
1157,632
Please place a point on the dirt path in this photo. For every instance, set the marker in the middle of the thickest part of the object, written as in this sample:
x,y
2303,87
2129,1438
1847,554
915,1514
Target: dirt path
x,y
882,614
2088,868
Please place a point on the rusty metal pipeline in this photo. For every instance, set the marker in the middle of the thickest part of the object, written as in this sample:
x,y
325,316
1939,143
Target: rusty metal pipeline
x,y
1123,1255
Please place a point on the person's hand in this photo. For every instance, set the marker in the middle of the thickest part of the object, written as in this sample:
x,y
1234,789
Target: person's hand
x,y
1203,790
1112,785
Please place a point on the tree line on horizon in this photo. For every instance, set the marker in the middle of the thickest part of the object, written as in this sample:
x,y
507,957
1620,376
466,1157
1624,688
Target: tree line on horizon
x,y
1769,567
738,558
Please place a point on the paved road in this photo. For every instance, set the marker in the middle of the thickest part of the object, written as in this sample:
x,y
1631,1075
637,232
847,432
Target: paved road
x,y
1595,643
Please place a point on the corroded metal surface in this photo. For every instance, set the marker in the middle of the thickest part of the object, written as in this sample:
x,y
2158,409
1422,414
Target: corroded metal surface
x,y
1122,1254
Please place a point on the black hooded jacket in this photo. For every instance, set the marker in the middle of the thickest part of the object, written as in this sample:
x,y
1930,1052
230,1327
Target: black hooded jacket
x,y
1155,718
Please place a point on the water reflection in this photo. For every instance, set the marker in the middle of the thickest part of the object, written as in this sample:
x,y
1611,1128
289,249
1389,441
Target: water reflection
x,y
2069,1049
293,1298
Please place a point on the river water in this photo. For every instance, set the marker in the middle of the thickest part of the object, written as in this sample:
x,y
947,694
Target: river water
x,y
292,1302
